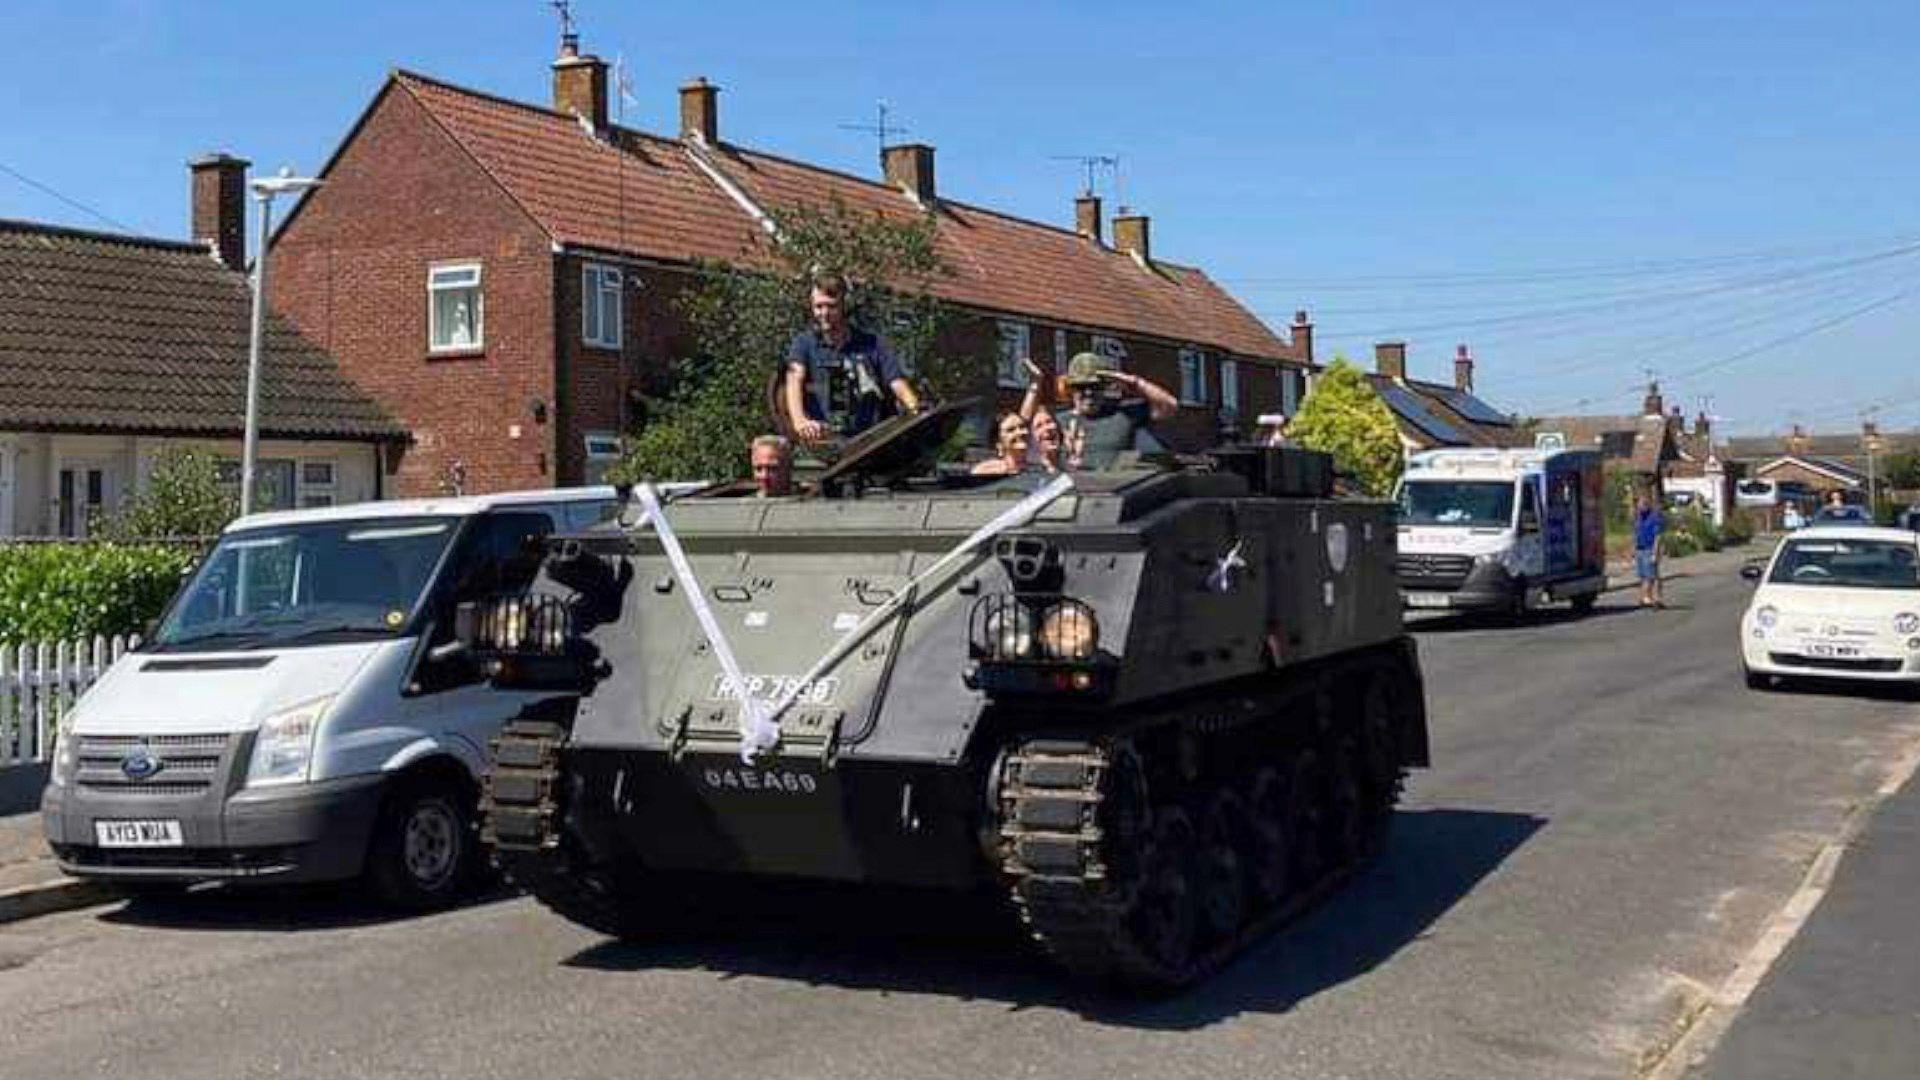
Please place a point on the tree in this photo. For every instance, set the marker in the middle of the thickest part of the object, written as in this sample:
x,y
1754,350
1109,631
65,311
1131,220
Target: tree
x,y
183,497
1901,470
1345,418
741,317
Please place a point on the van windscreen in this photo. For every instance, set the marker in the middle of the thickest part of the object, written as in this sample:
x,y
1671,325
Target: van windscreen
x,y
329,580
1481,504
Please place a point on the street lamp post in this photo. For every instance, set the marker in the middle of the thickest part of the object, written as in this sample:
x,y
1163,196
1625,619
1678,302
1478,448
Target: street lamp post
x,y
264,190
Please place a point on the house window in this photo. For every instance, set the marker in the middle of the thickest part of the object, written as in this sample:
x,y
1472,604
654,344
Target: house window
x,y
1015,346
454,307
1112,348
1193,377
600,307
1230,387
318,483
603,450
1290,385
1060,357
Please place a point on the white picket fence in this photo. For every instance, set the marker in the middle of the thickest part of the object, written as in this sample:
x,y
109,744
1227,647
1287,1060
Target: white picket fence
x,y
39,682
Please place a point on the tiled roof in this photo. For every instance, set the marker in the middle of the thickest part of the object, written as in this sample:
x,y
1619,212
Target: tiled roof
x,y
1843,447
649,197
1646,441
104,332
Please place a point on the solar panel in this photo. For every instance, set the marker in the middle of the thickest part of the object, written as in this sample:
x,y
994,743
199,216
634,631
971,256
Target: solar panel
x,y
1473,408
1415,412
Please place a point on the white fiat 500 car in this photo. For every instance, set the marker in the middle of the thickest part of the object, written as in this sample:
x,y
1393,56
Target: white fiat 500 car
x,y
1835,601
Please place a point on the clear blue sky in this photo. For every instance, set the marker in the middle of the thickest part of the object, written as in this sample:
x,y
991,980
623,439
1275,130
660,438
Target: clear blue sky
x,y
1578,191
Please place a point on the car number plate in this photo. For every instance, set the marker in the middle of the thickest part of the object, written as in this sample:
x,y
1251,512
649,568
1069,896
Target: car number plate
x,y
148,833
1428,600
1832,651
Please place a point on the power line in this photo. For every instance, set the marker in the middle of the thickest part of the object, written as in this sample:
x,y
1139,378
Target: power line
x,y
80,206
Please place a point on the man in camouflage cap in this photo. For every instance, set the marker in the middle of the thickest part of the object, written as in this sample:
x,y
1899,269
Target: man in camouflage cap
x,y
1110,409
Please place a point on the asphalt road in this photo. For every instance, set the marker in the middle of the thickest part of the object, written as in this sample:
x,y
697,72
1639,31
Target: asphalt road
x,y
1612,821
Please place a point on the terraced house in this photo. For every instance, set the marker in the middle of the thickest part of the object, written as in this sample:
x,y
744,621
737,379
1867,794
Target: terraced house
x,y
114,348
500,275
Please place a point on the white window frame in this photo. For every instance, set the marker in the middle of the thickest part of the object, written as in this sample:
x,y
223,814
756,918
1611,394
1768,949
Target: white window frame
x,y
312,493
1016,343
1230,387
1193,363
602,448
435,286
1292,383
600,287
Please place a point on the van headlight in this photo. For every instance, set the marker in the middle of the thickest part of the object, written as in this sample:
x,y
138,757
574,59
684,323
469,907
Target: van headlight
x,y
1906,623
283,749
1765,617
66,753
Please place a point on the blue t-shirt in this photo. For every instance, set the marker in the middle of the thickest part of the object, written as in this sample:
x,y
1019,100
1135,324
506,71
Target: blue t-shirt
x,y
1646,529
848,388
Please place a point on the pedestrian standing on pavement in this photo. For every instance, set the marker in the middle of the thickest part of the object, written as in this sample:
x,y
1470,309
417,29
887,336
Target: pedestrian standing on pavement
x,y
840,380
1648,523
1791,517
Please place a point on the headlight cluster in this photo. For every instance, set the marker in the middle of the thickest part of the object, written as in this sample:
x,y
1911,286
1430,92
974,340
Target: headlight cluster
x,y
1906,623
1766,617
1008,628
521,624
283,749
66,753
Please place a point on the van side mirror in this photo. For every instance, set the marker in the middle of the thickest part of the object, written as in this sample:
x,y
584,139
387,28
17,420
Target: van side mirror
x,y
1751,572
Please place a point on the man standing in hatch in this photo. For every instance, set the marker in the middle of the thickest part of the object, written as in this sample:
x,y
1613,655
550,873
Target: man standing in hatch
x,y
840,380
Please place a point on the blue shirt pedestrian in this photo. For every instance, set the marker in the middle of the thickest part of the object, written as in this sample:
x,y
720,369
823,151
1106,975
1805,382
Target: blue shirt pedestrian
x,y
1647,526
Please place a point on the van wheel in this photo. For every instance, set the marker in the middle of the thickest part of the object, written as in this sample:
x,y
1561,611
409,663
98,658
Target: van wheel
x,y
424,854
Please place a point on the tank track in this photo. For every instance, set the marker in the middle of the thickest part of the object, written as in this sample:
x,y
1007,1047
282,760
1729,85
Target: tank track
x,y
1148,857
521,818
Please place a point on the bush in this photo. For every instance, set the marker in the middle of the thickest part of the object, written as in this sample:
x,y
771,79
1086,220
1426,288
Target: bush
x,y
51,592
1738,528
1344,417
183,497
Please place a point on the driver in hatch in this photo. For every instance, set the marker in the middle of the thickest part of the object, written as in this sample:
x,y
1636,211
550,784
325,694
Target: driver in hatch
x,y
840,380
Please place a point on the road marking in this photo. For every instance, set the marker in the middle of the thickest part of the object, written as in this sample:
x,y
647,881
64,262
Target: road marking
x,y
1706,1025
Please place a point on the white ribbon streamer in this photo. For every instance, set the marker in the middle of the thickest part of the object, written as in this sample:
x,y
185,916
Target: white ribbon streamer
x,y
760,730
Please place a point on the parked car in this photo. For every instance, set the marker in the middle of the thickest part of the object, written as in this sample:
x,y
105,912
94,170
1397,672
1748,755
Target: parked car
x,y
1835,601
302,711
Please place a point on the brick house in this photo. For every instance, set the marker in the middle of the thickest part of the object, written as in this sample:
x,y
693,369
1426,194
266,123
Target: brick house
x,y
501,275
114,348
1435,414
1820,463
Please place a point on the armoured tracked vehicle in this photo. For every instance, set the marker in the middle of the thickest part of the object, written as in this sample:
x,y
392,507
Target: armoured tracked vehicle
x,y
1159,709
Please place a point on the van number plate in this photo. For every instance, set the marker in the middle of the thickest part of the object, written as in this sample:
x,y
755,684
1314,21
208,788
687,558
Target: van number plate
x,y
770,687
152,833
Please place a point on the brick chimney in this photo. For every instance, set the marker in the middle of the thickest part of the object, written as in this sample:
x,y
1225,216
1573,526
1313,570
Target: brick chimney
x,y
220,206
1390,359
1086,216
1797,441
909,167
580,86
1132,235
1703,428
700,111
1300,334
1652,405
1462,369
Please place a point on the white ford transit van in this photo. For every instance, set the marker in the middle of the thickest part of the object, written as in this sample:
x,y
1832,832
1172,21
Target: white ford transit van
x,y
300,712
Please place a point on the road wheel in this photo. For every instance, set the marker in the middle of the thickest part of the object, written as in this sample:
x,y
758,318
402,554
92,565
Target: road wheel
x,y
424,854
1166,913
1757,680
1270,855
1223,867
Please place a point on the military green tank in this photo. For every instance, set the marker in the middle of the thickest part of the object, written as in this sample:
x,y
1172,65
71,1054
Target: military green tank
x,y
1157,709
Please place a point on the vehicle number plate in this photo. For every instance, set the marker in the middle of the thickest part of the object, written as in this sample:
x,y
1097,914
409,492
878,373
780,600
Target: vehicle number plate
x,y
771,687
150,833
1830,650
1428,600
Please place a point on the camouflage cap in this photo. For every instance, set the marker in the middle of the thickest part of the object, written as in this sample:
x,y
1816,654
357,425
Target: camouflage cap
x,y
1086,368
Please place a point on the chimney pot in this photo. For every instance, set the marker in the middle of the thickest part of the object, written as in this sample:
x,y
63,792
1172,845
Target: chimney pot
x,y
909,167
1652,405
700,111
1132,234
219,206
1390,359
1463,369
1086,216
580,88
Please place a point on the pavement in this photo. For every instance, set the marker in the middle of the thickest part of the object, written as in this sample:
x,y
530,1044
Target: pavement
x,y
1843,1000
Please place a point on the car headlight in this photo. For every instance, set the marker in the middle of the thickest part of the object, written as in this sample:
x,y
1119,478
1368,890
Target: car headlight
x,y
1068,631
283,749
1906,623
66,753
1009,632
1765,617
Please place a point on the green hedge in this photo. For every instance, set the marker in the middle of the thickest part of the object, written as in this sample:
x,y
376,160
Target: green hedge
x,y
52,592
